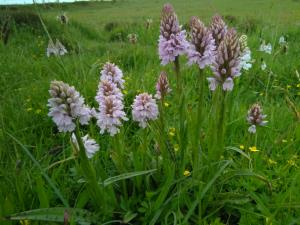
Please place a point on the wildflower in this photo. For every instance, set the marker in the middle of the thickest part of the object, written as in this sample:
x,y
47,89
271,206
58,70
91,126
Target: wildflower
x,y
162,86
172,40
255,118
218,29
111,72
226,65
107,88
242,147
245,59
63,18
186,173
176,147
282,41
265,48
132,38
253,149
292,162
56,49
144,108
66,105
90,145
272,162
111,113
166,104
202,46
263,66
149,22
172,131
38,111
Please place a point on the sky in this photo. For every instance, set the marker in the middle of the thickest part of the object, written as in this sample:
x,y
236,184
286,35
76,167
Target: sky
x,y
10,2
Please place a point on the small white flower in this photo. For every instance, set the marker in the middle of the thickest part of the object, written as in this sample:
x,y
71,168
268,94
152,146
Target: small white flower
x,y
265,48
56,49
245,59
282,41
263,66
90,145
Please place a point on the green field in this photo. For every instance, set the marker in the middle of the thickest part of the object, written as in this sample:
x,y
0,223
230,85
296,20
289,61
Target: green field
x,y
38,166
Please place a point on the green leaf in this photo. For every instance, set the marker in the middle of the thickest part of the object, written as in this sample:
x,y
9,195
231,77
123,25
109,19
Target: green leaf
x,y
125,176
47,178
203,192
239,151
80,216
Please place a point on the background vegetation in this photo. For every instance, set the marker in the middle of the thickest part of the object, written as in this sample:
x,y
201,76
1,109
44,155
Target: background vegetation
x,y
96,33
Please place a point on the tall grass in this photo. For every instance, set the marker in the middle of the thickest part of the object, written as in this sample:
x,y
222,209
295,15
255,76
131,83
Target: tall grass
x,y
152,175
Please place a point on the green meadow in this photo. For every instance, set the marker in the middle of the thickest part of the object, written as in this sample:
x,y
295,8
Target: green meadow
x,y
151,175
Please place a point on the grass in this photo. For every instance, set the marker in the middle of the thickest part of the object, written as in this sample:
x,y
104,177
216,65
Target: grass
x,y
141,188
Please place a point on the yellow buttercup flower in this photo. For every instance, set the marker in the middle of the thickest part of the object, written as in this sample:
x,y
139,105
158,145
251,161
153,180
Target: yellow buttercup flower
x,y
242,147
172,131
166,104
38,111
270,161
186,173
176,147
253,149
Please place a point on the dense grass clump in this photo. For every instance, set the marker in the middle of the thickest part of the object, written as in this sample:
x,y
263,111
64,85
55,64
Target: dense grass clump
x,y
195,162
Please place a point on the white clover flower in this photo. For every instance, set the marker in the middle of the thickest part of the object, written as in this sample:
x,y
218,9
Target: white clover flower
x,y
90,145
144,108
66,105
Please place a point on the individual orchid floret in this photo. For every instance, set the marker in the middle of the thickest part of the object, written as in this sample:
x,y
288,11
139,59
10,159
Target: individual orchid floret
x,y
256,118
66,105
162,86
226,65
110,116
202,45
90,145
267,48
144,108
172,40
111,72
218,29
